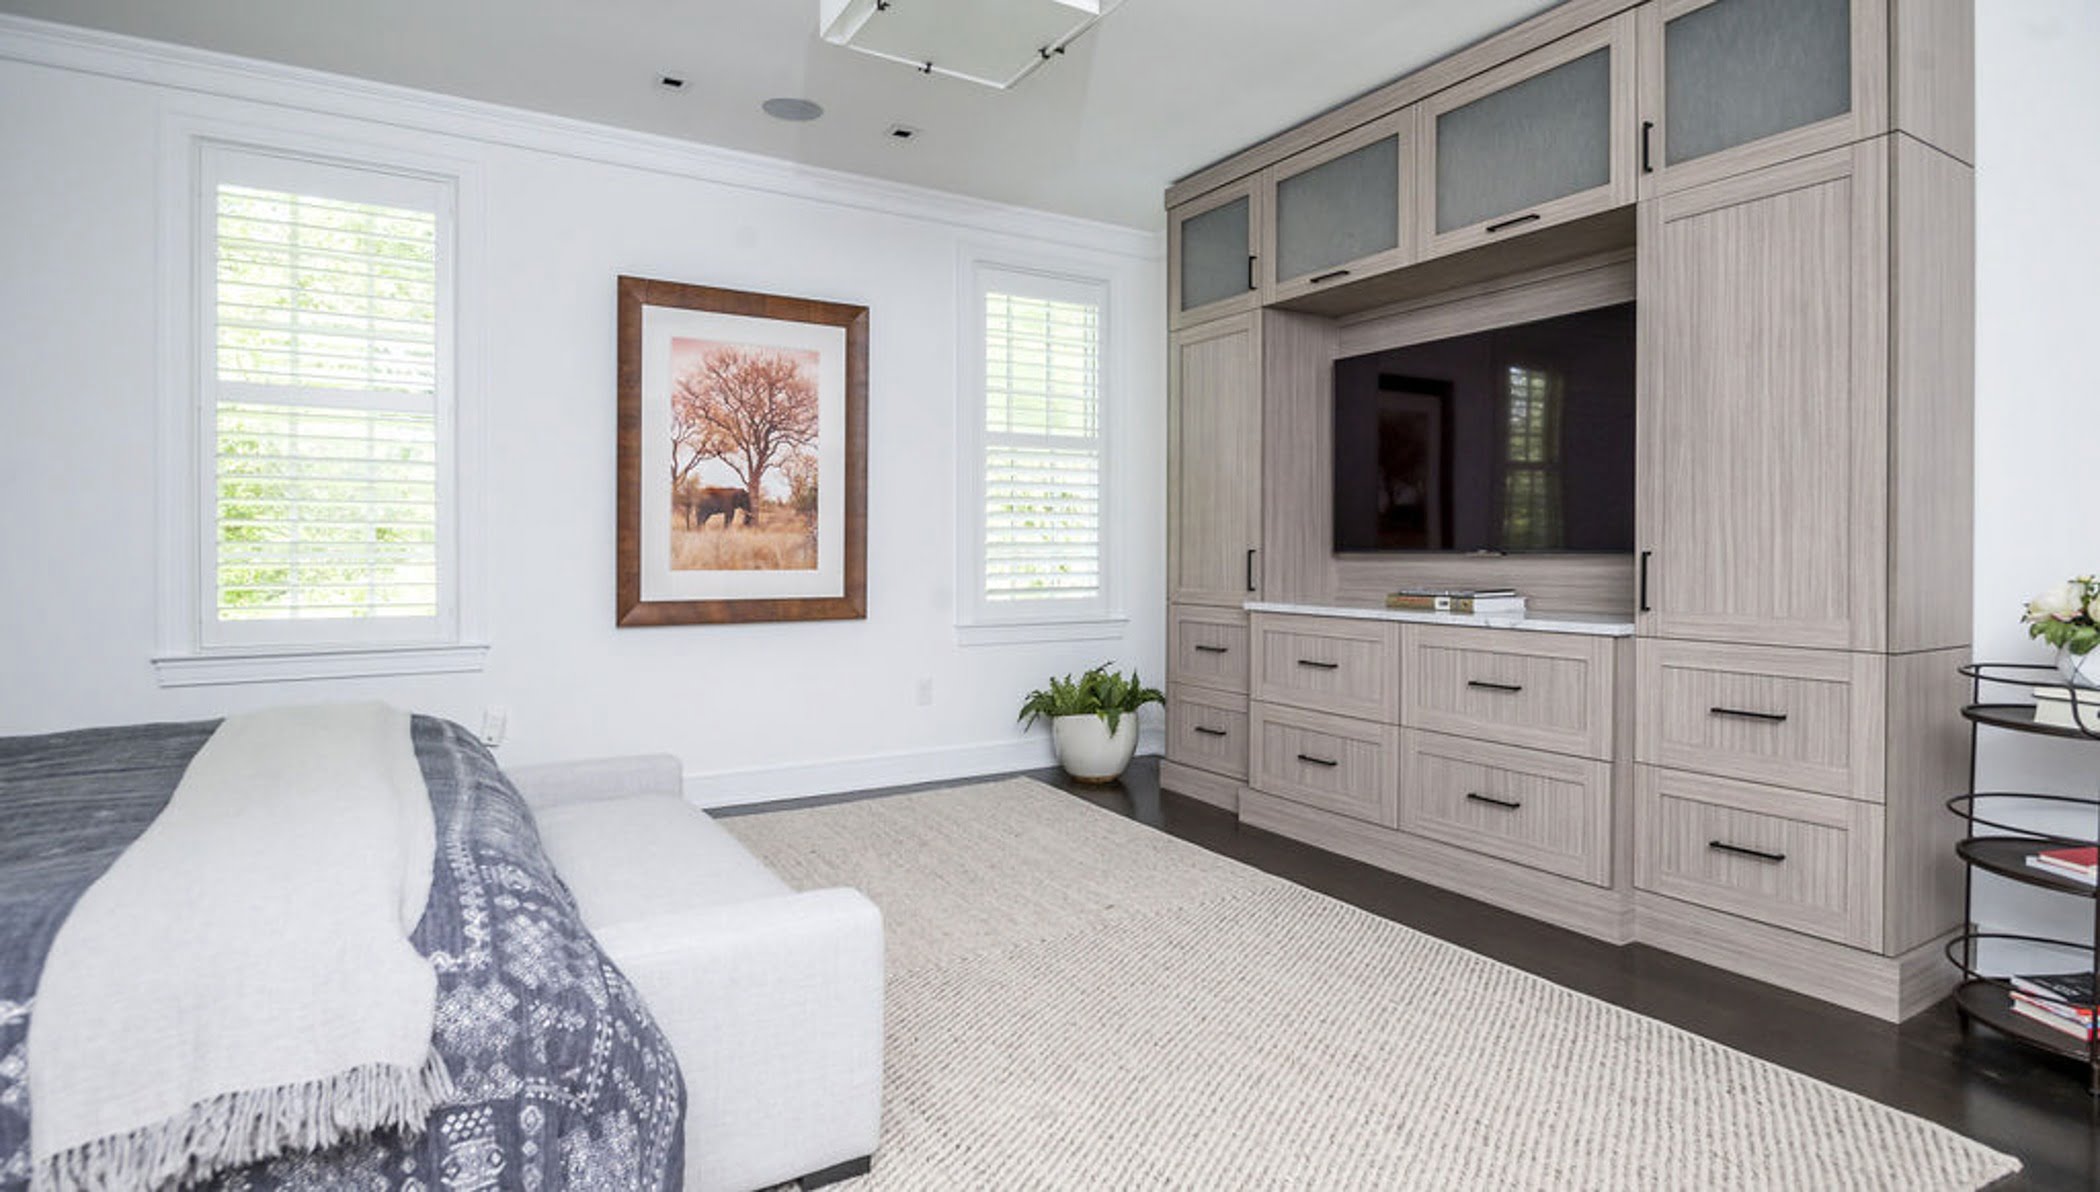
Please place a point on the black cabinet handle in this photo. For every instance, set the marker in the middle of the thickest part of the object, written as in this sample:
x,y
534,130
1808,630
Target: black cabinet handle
x,y
1645,556
1511,223
1484,685
1310,760
1309,664
1746,714
1490,800
1208,731
1250,569
1329,276
1647,139
1203,649
1755,854
1250,273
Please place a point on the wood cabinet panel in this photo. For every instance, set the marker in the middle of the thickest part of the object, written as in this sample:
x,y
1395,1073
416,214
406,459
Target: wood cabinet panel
x,y
1539,690
1809,719
1340,210
1808,863
1212,243
1207,647
1542,810
1214,462
1207,730
1330,664
1336,763
1762,494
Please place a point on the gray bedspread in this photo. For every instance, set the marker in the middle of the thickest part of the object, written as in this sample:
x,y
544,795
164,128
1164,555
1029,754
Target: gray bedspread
x,y
564,1080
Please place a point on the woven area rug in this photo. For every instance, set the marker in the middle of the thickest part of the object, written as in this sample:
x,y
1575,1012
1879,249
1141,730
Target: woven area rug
x,y
1079,1001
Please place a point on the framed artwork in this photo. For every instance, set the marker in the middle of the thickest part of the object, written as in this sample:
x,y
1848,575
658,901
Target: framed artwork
x,y
743,469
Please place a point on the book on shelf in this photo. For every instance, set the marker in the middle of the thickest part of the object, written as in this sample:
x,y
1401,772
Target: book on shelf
x,y
2065,989
2054,1008
2053,1021
1477,602
2068,707
2078,864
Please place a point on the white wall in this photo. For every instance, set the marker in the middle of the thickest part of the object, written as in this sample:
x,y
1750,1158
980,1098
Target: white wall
x,y
2037,393
566,209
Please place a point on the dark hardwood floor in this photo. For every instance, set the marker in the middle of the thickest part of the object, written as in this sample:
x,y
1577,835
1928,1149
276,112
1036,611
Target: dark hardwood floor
x,y
2004,1095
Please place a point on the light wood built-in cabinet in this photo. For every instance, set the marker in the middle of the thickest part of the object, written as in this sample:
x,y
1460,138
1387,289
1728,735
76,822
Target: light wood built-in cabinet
x,y
1749,767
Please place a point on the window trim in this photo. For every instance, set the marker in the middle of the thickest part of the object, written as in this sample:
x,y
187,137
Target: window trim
x,y
980,621
187,652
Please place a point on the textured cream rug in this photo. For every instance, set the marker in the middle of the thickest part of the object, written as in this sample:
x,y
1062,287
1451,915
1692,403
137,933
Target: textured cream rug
x,y
1079,1001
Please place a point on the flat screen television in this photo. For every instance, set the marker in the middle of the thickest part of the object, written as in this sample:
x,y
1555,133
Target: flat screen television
x,y
1515,439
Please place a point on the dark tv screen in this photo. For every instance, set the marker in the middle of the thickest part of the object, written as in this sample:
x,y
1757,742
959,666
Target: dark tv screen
x,y
1516,439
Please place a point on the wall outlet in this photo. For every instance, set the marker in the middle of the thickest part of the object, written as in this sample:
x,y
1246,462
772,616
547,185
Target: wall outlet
x,y
495,725
925,693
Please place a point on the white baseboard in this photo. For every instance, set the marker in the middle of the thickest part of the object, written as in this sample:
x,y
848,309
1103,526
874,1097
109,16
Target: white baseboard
x,y
767,784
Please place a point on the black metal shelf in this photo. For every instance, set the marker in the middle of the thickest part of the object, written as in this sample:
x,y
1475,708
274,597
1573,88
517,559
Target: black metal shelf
x,y
2007,856
1990,1003
2020,718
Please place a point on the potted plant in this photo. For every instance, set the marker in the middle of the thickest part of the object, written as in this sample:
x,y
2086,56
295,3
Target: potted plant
x,y
2067,616
1093,720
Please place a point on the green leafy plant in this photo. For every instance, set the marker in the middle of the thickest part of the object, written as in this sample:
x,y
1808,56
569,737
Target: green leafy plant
x,y
2067,616
1099,692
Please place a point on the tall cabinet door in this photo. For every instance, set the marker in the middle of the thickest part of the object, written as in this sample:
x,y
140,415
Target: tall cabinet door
x,y
1763,405
1733,85
1212,242
1214,462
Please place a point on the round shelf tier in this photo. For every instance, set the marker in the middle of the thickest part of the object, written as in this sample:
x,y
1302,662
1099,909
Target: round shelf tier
x,y
1990,1002
2020,718
2007,856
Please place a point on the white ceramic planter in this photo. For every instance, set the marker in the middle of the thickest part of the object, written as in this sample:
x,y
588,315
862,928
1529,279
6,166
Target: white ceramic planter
x,y
1087,751
2079,670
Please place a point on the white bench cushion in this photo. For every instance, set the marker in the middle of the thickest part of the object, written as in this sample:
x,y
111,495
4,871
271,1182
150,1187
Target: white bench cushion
x,y
637,857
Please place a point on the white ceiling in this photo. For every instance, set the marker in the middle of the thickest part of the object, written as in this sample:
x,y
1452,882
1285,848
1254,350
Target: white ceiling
x,y
1158,89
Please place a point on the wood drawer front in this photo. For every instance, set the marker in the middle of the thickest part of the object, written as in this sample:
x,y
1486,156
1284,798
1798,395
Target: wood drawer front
x,y
1328,664
1207,731
1207,647
1807,719
1809,863
1349,767
1543,810
1540,690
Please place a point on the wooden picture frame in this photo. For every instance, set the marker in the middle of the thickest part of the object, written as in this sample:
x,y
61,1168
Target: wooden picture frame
x,y
703,372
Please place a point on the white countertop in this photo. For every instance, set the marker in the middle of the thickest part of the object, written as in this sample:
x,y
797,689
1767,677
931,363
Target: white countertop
x,y
1594,624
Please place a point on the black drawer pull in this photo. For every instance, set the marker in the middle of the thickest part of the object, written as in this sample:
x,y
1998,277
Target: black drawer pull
x,y
1645,556
1756,854
1208,731
1310,760
1745,714
1484,685
1647,137
1307,662
1511,223
1202,649
1328,276
1492,801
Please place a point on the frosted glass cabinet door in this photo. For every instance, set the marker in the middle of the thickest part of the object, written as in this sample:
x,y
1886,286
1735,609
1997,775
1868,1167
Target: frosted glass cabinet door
x,y
1734,85
1211,250
1538,141
1342,209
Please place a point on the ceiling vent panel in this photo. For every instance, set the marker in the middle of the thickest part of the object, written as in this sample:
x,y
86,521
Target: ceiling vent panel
x,y
993,42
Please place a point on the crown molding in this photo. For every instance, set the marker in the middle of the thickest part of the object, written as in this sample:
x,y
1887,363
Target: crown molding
x,y
207,72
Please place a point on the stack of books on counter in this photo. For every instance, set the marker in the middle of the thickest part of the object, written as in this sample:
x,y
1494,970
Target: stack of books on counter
x,y
2062,1002
2080,864
1460,602
2054,706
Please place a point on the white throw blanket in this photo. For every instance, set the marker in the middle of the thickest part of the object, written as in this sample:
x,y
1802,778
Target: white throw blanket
x,y
241,982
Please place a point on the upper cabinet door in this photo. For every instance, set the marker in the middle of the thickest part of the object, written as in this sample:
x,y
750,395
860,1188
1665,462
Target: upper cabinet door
x,y
1735,85
1763,411
1341,210
1540,140
1211,247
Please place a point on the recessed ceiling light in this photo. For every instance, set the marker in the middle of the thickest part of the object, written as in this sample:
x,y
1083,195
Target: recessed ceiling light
x,y
902,132
789,108
670,82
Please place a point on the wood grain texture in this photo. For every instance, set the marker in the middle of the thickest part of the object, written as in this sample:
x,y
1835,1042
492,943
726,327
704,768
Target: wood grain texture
x,y
1825,880
1177,318
1542,810
1601,279
1399,125
1336,763
1460,680
629,609
1933,61
1616,35
1207,730
1202,785
1564,902
1213,461
1329,664
1868,117
1928,763
1763,405
1703,707
1932,400
1297,501
1207,647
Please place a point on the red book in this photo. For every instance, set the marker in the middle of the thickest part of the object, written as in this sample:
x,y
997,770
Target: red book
x,y
2077,862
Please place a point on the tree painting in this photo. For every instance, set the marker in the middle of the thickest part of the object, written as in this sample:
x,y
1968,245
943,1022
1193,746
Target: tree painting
x,y
743,433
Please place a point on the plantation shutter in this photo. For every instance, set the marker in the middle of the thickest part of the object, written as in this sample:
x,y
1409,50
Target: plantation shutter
x,y
326,403
1042,442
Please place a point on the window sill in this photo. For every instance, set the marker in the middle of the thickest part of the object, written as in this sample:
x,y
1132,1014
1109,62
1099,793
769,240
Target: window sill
x,y
1008,633
286,666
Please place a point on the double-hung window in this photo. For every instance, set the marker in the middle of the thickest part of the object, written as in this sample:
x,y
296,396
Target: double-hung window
x,y
1039,551
325,405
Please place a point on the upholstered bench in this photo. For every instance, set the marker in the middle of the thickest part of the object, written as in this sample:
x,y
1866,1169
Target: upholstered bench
x,y
771,999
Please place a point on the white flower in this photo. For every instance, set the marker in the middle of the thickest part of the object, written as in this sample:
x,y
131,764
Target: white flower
x,y
2092,609
2061,602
